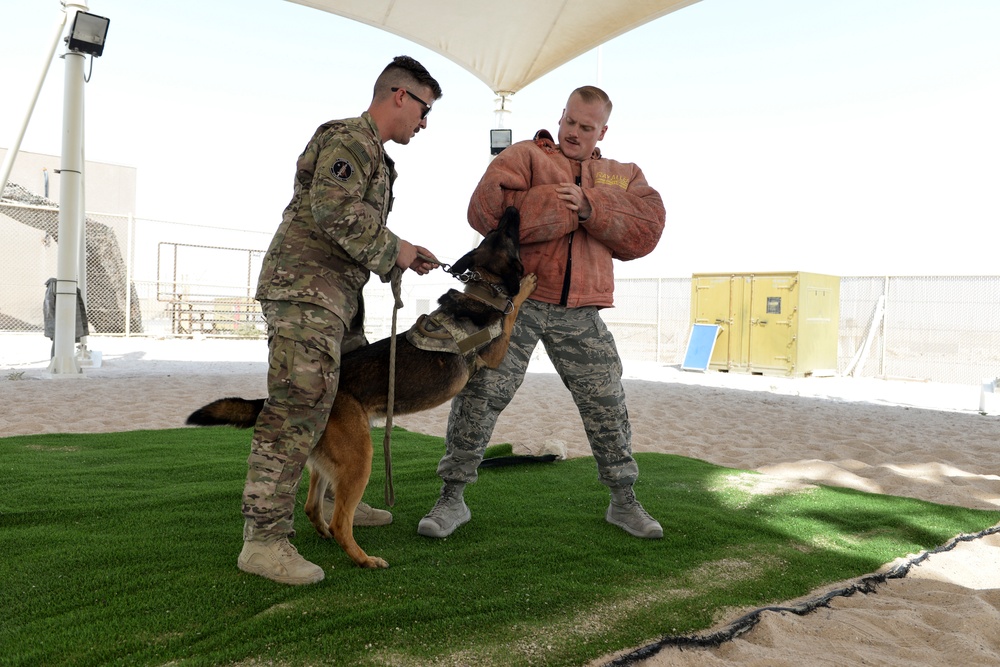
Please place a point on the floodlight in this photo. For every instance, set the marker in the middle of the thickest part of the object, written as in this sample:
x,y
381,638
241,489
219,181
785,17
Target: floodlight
x,y
499,140
88,33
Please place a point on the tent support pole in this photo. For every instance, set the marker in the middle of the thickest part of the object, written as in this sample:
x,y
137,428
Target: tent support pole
x,y
8,161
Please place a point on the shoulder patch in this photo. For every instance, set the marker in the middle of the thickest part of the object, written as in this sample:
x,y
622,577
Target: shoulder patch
x,y
342,170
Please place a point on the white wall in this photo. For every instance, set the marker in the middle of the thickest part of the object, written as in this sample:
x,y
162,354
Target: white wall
x,y
109,188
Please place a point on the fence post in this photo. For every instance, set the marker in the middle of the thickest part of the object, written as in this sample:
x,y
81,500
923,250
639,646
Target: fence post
x,y
128,275
659,323
885,330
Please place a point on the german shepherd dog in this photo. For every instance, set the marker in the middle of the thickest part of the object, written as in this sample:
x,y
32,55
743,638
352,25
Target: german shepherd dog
x,y
495,289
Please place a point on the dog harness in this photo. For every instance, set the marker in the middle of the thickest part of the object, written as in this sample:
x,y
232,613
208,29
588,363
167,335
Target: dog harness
x,y
441,332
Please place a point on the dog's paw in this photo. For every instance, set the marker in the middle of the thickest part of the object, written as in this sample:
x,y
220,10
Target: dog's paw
x,y
374,563
322,529
528,285
316,519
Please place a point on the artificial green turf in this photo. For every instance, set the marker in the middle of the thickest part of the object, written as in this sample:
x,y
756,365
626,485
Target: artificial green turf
x,y
121,548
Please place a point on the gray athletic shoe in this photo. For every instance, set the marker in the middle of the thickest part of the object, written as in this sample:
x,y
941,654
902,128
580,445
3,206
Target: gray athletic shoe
x,y
279,561
626,513
448,513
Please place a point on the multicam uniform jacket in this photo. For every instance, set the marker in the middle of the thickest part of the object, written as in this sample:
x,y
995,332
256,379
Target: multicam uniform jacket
x,y
333,233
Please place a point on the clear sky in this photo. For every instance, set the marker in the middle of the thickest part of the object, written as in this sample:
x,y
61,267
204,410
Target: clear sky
x,y
851,137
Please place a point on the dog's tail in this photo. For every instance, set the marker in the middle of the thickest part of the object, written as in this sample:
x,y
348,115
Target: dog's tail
x,y
238,412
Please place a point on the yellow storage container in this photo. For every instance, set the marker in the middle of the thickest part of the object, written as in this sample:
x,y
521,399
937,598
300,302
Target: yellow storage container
x,y
770,323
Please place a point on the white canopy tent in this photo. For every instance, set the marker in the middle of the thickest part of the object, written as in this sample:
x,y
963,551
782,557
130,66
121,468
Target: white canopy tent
x,y
508,44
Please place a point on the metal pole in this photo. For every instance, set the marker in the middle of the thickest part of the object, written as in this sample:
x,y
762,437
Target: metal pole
x,y
128,276
82,353
659,317
64,361
600,65
8,161
885,330
85,357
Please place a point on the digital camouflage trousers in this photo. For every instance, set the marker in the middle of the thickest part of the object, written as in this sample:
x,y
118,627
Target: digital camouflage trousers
x,y
583,352
304,347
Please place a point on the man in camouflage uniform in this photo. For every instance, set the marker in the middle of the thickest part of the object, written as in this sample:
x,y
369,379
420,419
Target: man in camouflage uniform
x,y
332,236
579,211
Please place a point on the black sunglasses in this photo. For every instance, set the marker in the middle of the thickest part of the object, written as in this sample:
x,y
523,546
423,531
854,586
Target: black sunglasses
x,y
427,107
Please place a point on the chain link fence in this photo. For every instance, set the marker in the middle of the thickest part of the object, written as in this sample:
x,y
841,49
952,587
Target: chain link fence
x,y
157,278
940,328
30,234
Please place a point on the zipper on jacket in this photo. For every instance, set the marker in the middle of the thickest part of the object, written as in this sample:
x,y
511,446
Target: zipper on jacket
x,y
564,298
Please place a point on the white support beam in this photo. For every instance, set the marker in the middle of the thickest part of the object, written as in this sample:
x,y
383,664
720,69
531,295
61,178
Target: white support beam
x,y
71,211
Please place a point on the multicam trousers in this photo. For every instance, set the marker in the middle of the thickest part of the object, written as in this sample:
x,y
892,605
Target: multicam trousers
x,y
304,347
584,354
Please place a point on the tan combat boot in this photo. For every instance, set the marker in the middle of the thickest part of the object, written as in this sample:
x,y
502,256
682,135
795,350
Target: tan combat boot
x,y
279,561
364,515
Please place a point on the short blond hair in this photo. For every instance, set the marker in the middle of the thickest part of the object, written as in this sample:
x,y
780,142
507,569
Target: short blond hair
x,y
593,94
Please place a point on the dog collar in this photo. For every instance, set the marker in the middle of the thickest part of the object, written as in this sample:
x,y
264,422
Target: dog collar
x,y
488,295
